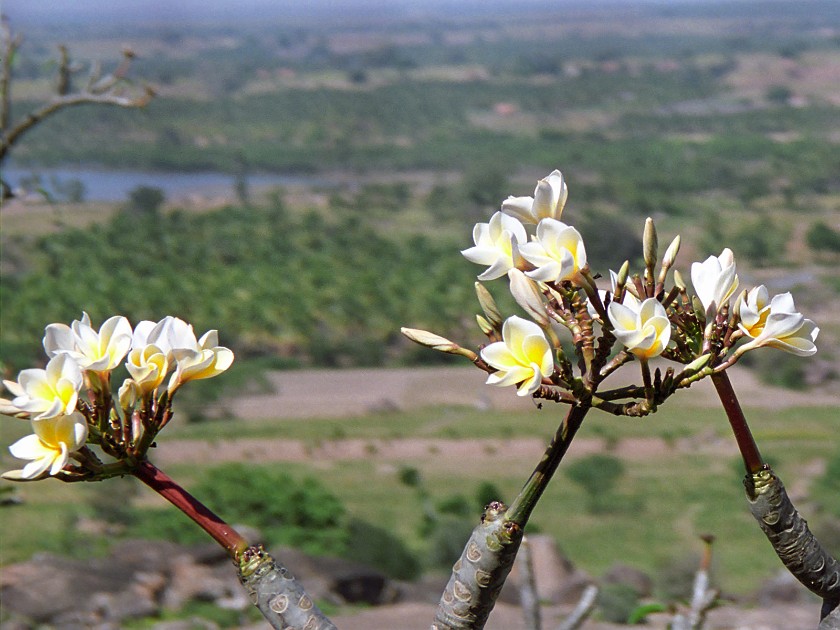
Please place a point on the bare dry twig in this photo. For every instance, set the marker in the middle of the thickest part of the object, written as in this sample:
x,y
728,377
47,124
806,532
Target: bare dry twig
x,y
108,89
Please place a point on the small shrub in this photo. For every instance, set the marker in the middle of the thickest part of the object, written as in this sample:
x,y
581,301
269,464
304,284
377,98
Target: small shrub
x,y
303,513
409,476
617,602
457,505
111,502
597,475
164,524
379,548
826,488
145,200
448,536
822,238
675,578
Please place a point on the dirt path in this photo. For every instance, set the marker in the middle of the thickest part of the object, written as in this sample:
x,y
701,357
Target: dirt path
x,y
346,393
351,393
463,450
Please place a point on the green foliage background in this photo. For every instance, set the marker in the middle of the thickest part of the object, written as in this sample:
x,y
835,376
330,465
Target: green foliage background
x,y
311,289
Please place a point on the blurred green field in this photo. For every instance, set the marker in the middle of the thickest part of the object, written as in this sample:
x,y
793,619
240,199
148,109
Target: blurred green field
x,y
671,492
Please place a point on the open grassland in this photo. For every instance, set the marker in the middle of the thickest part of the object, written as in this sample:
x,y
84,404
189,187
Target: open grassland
x,y
682,478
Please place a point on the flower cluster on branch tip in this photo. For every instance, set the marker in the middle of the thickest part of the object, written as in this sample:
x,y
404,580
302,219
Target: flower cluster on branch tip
x,y
641,316
70,405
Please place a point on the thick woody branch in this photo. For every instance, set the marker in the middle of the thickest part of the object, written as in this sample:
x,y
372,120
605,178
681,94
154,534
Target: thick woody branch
x,y
480,572
483,567
793,542
787,531
278,595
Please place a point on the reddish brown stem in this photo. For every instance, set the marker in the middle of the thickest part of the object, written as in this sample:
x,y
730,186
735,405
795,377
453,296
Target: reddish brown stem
x,y
220,531
743,436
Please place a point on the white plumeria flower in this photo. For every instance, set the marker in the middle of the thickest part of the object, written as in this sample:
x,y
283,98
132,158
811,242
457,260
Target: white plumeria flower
x,y
128,394
547,203
641,326
557,252
715,281
496,243
753,309
776,325
167,335
50,445
523,356
200,359
50,392
96,351
148,366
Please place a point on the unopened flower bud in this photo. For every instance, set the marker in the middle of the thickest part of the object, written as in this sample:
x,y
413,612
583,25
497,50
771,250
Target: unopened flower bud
x,y
485,326
678,281
621,278
698,307
488,305
671,252
436,342
129,393
736,309
528,296
668,259
650,244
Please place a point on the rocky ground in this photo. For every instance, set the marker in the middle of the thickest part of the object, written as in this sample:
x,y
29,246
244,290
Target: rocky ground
x,y
142,579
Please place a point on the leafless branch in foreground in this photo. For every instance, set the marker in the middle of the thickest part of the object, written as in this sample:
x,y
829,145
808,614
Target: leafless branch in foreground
x,y
108,89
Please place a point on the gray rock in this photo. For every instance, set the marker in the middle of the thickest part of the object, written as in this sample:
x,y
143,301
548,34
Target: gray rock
x,y
638,580
192,581
782,587
47,586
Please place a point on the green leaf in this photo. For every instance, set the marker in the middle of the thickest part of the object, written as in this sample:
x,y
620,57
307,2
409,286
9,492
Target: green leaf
x,y
640,613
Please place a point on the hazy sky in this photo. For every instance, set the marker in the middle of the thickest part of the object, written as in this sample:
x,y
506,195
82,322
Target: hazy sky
x,y
112,11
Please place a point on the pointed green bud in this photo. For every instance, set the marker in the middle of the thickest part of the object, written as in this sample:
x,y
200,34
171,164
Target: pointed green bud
x,y
736,309
488,305
698,307
671,253
436,342
528,296
621,277
699,363
485,326
678,281
650,244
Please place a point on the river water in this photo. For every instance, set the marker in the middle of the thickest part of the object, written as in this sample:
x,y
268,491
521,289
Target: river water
x,y
115,186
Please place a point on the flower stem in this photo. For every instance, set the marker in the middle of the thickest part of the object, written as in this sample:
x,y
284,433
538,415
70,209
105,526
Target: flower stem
x,y
479,574
220,531
522,506
743,436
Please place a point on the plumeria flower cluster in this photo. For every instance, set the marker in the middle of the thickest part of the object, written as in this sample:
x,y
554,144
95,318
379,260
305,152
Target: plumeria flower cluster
x,y
638,319
70,404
